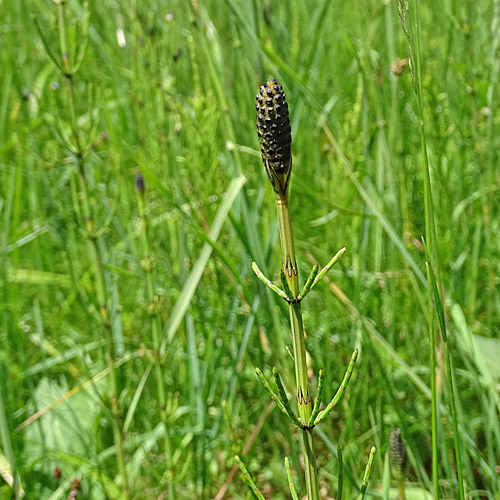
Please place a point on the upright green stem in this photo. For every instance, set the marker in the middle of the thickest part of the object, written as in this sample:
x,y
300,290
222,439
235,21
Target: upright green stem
x,y
431,242
289,264
434,414
156,333
102,299
95,253
401,490
288,259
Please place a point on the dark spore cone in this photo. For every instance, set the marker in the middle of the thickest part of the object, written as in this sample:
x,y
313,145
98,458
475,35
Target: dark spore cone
x,y
273,129
398,454
139,184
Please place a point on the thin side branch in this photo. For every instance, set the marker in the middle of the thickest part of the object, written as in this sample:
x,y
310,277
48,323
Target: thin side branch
x,y
286,286
330,264
268,282
319,395
248,478
366,477
309,283
291,484
284,398
275,397
340,390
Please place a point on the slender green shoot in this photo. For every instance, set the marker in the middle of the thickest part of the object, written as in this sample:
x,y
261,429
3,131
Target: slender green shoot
x,y
148,265
286,286
284,397
276,398
409,21
340,390
434,407
438,301
103,296
366,477
248,478
330,264
291,484
269,283
319,395
309,283
340,480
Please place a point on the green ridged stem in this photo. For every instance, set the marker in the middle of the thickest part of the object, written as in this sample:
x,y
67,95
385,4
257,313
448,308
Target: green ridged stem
x,y
289,268
95,254
340,480
156,327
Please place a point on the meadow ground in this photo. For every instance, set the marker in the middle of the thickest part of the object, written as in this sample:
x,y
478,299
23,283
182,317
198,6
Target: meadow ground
x,y
132,322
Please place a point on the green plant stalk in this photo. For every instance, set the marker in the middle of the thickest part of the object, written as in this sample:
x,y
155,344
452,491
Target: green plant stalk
x,y
450,379
434,414
289,266
95,254
430,233
156,329
340,486
102,298
401,490
456,436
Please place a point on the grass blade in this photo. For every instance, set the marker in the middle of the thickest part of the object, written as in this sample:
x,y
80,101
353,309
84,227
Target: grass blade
x,y
194,277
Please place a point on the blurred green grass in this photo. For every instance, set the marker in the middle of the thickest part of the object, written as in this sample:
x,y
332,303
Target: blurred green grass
x,y
176,102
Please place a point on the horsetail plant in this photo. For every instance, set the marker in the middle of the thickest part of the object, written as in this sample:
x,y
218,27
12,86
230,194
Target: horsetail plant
x,y
274,131
78,144
148,265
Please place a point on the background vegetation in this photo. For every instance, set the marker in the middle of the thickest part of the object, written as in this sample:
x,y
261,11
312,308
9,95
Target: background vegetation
x,y
167,88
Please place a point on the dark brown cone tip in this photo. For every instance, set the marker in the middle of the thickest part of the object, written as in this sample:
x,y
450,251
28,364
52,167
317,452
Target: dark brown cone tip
x,y
273,129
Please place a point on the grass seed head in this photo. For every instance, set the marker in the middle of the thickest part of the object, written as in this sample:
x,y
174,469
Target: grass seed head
x,y
273,129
